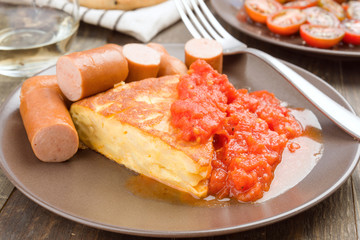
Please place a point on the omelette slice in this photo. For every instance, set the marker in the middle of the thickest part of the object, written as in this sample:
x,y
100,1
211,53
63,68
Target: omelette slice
x,y
130,124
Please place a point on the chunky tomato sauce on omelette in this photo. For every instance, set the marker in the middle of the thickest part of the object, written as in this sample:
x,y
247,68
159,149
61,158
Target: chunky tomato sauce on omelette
x,y
249,131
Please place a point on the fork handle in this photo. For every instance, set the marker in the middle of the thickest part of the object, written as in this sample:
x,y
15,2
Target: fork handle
x,y
342,117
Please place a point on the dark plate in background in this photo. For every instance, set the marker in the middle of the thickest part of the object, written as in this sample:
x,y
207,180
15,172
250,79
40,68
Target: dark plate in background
x,y
228,10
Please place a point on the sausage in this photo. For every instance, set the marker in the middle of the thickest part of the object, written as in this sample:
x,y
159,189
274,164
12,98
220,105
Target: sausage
x,y
47,121
169,65
143,61
81,74
206,49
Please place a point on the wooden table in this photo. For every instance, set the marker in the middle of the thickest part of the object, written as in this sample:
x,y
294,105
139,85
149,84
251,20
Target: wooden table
x,y
337,217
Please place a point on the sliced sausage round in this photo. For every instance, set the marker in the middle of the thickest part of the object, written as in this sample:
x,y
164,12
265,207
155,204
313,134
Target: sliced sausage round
x,y
169,65
143,61
206,49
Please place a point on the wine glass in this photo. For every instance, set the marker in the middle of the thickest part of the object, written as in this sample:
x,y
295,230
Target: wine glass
x,y
35,33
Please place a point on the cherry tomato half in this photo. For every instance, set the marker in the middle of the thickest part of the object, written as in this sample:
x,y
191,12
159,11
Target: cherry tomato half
x,y
319,16
352,31
301,4
333,7
353,10
259,10
286,21
321,36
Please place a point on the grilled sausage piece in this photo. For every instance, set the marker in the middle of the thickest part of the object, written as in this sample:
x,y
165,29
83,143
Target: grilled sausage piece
x,y
169,65
47,121
81,74
206,49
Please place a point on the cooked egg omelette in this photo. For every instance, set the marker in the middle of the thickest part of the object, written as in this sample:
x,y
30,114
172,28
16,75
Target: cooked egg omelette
x,y
130,124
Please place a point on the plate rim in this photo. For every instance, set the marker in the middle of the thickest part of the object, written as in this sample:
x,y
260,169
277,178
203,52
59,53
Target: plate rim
x,y
193,233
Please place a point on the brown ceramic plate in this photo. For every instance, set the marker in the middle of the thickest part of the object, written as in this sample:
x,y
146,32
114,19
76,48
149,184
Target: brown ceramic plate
x,y
92,190
229,9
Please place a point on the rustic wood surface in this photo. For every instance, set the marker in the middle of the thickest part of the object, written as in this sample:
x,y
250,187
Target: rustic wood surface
x,y
337,217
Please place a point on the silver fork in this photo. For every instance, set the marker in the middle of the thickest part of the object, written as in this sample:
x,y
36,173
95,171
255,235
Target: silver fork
x,y
202,24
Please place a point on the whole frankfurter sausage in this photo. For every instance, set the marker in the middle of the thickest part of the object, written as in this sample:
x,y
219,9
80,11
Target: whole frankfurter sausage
x,y
143,61
169,65
206,49
47,121
81,74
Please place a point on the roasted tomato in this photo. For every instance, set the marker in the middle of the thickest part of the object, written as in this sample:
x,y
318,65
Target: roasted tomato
x,y
333,7
352,31
321,36
353,10
286,21
319,16
259,10
301,4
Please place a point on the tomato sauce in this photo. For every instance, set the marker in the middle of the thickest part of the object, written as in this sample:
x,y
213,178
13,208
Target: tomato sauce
x,y
249,131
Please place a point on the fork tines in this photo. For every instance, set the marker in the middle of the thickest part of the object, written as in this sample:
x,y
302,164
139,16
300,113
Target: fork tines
x,y
201,23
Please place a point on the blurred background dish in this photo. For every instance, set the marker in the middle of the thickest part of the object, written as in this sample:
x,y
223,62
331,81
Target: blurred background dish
x,y
232,12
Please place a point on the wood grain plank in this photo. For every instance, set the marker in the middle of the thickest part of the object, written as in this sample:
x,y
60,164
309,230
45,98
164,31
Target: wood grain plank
x,y
6,187
348,86
7,85
333,218
351,91
23,219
